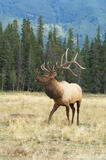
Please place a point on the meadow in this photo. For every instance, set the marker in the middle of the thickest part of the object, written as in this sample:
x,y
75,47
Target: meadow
x,y
26,135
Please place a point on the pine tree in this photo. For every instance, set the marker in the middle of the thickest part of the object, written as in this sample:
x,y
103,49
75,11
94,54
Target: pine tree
x,y
94,69
85,53
54,47
32,62
78,47
40,40
64,44
70,44
13,79
55,35
15,42
50,48
8,54
19,71
1,41
98,59
1,55
103,66
98,38
25,51
71,53
54,50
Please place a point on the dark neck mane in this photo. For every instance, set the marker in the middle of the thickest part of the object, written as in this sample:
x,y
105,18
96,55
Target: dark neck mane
x,y
53,89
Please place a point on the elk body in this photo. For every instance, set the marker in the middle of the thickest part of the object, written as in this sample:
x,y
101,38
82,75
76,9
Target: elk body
x,y
63,93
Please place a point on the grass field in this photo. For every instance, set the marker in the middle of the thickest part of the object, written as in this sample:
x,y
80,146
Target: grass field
x,y
25,134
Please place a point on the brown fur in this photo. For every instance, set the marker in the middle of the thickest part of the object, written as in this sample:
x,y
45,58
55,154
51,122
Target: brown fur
x,y
63,93
53,90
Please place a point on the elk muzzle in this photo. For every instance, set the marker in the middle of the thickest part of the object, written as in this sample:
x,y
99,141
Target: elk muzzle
x,y
37,79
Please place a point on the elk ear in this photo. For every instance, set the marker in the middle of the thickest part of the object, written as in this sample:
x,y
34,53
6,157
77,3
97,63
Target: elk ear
x,y
54,74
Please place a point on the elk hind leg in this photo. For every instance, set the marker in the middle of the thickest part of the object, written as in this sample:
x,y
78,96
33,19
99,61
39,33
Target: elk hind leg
x,y
78,106
73,112
67,114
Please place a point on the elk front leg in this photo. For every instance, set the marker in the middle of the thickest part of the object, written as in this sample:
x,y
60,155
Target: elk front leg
x,y
67,114
52,111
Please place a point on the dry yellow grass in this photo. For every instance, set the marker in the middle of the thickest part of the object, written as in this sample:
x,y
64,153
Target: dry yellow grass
x,y
25,134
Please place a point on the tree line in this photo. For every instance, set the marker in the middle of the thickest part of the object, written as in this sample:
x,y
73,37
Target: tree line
x,y
22,53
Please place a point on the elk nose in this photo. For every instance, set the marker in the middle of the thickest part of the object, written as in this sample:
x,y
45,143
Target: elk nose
x,y
37,78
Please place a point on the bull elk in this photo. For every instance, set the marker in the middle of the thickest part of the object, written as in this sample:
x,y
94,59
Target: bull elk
x,y
63,93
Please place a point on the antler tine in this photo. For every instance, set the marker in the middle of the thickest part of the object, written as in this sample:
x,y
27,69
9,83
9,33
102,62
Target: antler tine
x,y
73,73
53,69
48,66
49,70
76,56
79,65
62,59
67,63
68,68
77,62
66,54
44,68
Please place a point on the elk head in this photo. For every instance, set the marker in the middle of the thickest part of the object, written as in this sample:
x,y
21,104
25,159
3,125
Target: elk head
x,y
51,73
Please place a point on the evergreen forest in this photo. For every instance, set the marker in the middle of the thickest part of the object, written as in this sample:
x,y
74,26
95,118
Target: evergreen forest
x,y
23,52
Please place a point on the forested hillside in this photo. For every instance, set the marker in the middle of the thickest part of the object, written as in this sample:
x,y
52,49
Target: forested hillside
x,y
81,15
21,55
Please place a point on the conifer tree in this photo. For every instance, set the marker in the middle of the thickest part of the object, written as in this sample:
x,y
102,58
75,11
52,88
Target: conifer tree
x,y
8,54
2,61
55,35
1,55
19,71
85,82
1,40
40,32
78,71
25,51
54,46
15,42
94,68
98,59
103,66
78,47
50,48
70,45
64,44
32,61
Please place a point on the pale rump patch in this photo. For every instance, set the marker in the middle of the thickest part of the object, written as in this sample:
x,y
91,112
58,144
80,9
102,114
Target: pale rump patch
x,y
72,93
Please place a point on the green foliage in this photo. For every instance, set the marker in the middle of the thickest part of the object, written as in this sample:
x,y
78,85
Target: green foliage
x,y
40,40
70,45
82,16
85,53
103,66
21,56
13,79
78,47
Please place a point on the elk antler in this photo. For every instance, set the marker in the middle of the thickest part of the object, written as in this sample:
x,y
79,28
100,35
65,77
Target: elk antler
x,y
49,70
44,68
69,63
